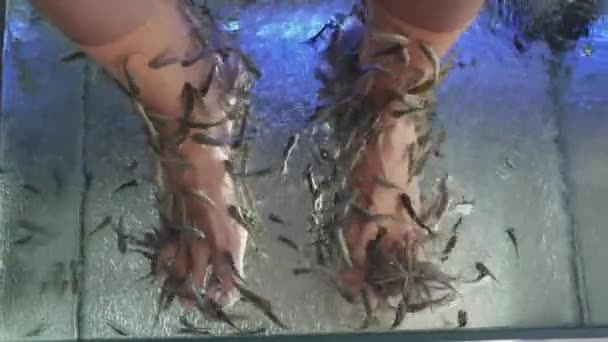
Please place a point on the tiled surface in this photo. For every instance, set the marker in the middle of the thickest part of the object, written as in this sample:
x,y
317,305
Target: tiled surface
x,y
494,110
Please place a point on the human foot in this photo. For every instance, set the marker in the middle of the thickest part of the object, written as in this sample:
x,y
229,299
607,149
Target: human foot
x,y
377,93
201,241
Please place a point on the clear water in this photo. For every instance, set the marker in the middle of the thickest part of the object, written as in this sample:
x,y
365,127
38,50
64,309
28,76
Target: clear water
x,y
62,121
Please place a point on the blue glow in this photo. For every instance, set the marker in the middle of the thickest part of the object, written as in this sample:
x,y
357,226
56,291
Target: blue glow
x,y
599,29
232,25
292,29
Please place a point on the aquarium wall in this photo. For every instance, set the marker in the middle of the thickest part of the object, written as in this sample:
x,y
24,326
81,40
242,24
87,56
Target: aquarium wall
x,y
526,154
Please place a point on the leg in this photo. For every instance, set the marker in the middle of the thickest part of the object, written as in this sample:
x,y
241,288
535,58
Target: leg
x,y
125,36
398,147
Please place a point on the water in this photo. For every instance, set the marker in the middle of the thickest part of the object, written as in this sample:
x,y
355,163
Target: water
x,y
61,122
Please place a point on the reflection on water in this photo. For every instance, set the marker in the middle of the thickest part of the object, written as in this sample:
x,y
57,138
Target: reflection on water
x,y
503,151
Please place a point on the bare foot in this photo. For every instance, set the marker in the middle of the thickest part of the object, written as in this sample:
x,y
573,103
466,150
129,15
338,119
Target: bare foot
x,y
388,119
200,245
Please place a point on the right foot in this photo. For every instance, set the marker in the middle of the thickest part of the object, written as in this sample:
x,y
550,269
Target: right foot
x,y
199,246
385,255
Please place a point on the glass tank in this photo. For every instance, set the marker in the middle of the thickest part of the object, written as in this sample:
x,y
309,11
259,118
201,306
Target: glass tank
x,y
523,107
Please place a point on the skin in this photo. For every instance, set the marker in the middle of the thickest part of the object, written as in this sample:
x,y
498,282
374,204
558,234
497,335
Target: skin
x,y
385,156
136,31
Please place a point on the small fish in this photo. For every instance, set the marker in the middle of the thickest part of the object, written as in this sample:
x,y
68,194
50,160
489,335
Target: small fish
x,y
367,68
256,173
238,142
195,57
250,65
444,198
205,139
310,180
400,313
409,152
120,330
187,97
457,225
201,195
382,181
288,242
121,236
344,248
288,150
394,49
249,332
31,188
208,80
156,122
185,323
39,329
276,218
423,139
236,214
88,181
321,112
449,246
443,136
132,165
162,61
194,331
31,227
74,56
417,307
167,292
178,163
44,287
519,46
509,164
209,307
132,87
325,154
587,50
428,52
511,232
406,202
104,223
320,254
181,134
422,88
319,34
431,272
369,217
229,167
24,240
369,320
130,184
484,271
419,164
391,38
228,259
399,113
463,319
189,328
201,125
301,270
261,303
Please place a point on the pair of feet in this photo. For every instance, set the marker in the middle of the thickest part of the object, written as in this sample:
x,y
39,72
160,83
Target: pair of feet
x,y
201,243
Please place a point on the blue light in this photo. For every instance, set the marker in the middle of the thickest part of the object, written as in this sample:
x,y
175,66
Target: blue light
x,y
599,29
